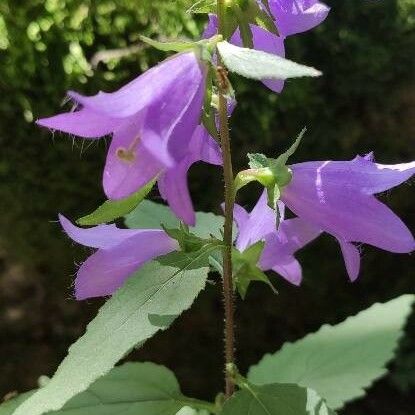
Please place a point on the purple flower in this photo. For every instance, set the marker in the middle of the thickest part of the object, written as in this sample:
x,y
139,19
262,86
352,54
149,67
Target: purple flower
x,y
337,197
297,16
120,253
291,17
280,245
154,122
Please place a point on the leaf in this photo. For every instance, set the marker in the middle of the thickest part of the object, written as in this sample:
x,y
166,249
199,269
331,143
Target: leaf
x,y
168,46
113,209
121,324
340,362
255,64
134,387
275,399
151,215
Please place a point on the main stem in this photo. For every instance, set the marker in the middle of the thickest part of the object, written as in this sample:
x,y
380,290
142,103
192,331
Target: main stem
x,y
228,296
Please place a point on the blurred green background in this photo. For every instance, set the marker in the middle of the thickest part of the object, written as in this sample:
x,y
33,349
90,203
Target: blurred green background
x,y
365,101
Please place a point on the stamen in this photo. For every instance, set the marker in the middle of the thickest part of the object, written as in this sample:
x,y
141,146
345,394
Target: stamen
x,y
128,154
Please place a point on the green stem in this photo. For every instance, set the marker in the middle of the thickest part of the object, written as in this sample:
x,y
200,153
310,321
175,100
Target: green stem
x,y
228,296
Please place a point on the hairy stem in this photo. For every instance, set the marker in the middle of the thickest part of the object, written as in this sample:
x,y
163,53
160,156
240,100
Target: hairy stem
x,y
228,295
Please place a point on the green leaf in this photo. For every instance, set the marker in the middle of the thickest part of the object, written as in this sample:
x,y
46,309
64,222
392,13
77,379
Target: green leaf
x,y
255,64
113,209
168,46
275,399
341,361
121,324
133,387
151,215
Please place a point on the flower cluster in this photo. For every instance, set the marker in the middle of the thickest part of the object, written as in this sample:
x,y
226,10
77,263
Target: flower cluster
x,y
157,133
291,17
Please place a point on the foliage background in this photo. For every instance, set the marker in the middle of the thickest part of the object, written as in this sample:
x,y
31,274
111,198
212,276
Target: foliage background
x,y
364,102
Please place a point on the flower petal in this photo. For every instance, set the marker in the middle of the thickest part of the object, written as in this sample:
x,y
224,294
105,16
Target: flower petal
x,y
296,16
360,174
167,131
290,270
204,148
343,211
262,221
129,165
174,189
266,42
211,29
172,80
106,270
83,123
102,236
351,257
292,235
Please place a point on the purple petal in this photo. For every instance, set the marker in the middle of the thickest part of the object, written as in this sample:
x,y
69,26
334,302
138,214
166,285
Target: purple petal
x,y
351,257
361,174
83,123
296,16
290,270
266,42
337,207
102,236
167,131
174,79
129,165
292,235
204,148
106,270
174,189
211,28
262,221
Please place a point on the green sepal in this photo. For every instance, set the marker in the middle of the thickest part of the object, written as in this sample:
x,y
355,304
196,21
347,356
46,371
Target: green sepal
x,y
208,113
246,269
244,25
177,46
114,209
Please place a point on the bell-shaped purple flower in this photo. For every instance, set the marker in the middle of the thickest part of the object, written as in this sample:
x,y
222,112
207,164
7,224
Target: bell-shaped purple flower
x,y
154,123
280,244
120,253
338,197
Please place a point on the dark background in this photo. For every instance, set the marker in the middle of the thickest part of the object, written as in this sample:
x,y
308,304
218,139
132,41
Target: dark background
x,y
365,101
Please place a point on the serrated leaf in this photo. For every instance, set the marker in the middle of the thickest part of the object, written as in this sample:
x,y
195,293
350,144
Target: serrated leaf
x,y
276,399
151,215
114,209
168,46
120,325
133,387
256,64
341,361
